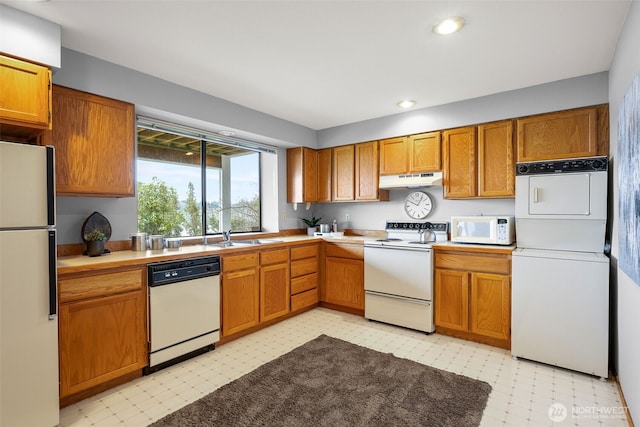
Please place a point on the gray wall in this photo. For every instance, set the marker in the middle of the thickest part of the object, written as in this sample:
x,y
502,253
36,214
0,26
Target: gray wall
x,y
161,99
29,37
624,68
165,100
560,95
581,91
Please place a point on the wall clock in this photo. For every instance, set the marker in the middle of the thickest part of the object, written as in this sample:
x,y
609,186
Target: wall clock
x,y
418,205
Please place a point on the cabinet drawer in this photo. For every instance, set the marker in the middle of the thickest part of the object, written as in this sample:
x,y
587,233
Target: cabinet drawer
x,y
304,283
342,250
304,299
486,263
274,257
304,252
238,262
100,285
304,266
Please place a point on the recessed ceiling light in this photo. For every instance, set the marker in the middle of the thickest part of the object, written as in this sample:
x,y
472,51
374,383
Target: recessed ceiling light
x,y
449,26
189,153
227,132
407,103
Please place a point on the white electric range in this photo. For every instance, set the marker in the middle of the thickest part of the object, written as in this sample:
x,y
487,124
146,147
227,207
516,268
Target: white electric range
x,y
398,274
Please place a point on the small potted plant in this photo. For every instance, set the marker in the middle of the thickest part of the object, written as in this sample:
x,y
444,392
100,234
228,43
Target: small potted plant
x,y
95,242
312,224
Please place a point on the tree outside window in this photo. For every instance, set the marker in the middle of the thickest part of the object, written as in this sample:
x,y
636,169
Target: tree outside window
x,y
172,192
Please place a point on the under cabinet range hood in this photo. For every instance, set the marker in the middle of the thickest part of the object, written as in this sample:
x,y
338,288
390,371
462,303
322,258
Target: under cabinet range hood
x,y
410,180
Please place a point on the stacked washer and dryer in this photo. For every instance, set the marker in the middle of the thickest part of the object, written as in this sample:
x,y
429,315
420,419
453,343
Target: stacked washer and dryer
x,y
560,275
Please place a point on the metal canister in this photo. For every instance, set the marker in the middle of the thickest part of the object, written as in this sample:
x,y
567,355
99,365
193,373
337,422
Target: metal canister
x,y
156,242
173,243
139,242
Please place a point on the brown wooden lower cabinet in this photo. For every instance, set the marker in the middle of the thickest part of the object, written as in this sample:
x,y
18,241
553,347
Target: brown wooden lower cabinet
x,y
472,296
344,275
304,276
255,289
102,323
274,284
240,286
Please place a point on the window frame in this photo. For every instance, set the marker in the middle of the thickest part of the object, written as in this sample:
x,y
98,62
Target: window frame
x,y
205,138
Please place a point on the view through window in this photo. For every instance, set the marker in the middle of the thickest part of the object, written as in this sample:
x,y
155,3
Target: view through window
x,y
191,186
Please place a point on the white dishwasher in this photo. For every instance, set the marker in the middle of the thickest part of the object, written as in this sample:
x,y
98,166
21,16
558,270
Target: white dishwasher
x,y
184,309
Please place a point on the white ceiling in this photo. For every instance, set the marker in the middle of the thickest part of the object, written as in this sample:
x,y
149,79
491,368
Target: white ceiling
x,y
326,63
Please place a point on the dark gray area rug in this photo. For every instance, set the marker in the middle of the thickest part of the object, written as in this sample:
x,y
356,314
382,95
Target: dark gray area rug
x,y
330,382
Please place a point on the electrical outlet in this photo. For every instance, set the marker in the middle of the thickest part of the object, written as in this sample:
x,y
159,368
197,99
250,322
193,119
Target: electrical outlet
x,y
284,217
348,217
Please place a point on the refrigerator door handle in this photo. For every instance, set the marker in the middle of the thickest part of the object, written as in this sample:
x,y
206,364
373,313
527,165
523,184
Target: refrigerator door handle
x,y
51,187
53,276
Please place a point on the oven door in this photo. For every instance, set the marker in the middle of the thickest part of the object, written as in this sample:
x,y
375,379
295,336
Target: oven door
x,y
404,272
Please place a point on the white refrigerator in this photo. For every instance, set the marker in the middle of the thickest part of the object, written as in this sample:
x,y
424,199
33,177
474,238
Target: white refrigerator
x,y
28,288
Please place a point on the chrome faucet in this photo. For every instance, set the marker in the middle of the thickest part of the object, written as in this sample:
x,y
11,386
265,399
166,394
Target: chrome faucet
x,y
226,236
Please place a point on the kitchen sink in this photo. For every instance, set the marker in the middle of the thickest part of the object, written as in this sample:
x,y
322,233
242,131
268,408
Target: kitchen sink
x,y
250,242
256,242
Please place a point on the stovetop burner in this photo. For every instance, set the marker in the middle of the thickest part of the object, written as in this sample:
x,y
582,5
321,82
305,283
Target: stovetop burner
x,y
410,234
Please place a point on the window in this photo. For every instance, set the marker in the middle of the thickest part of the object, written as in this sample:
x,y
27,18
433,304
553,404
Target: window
x,y
189,182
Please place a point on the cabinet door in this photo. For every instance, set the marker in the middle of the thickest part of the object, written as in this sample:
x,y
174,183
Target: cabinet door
x,y
394,156
25,98
274,291
496,160
460,163
424,152
366,171
343,173
344,282
101,339
490,305
240,304
94,139
451,291
302,175
324,175
560,135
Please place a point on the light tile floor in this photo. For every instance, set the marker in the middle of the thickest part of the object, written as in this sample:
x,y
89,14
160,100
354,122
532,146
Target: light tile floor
x,y
523,392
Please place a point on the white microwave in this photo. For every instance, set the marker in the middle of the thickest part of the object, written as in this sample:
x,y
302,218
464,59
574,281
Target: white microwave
x,y
489,230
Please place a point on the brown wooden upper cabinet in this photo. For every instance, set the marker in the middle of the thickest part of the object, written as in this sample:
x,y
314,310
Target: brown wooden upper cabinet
x,y
324,175
25,99
343,173
94,139
460,163
366,172
355,173
582,132
302,175
496,160
479,161
411,154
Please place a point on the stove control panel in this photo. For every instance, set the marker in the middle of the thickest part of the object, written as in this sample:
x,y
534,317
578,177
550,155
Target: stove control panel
x,y
414,226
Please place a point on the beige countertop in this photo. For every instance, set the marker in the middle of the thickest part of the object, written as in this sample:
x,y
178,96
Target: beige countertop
x,y
128,258
470,247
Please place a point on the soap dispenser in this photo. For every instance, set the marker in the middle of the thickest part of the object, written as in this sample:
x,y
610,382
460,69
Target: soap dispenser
x,y
334,227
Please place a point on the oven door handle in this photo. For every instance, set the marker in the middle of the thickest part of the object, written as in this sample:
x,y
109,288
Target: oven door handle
x,y
399,248
413,300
